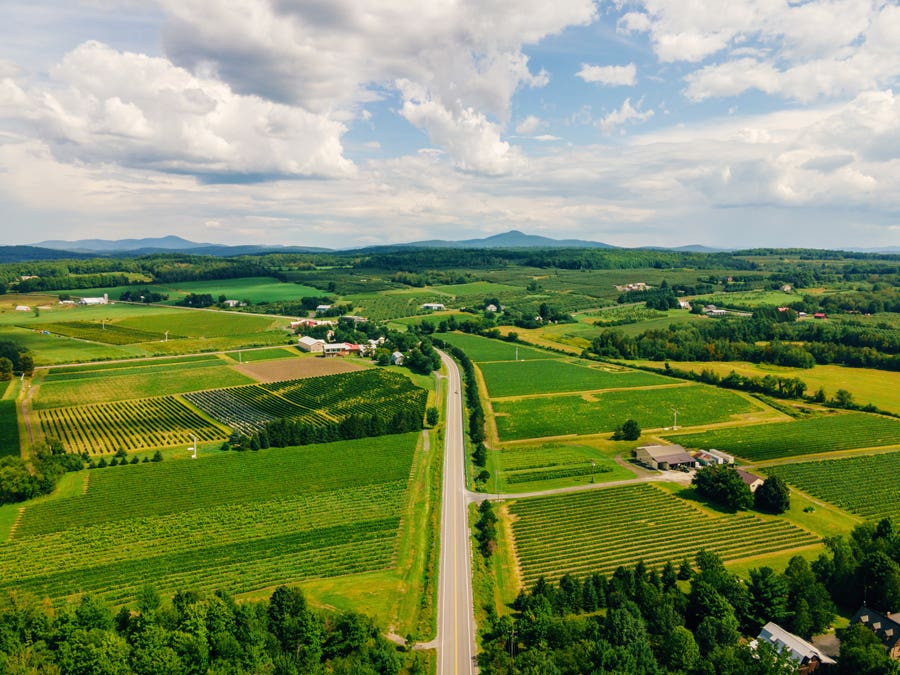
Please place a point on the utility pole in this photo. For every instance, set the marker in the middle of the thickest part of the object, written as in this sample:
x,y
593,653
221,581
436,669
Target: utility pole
x,y
593,466
675,423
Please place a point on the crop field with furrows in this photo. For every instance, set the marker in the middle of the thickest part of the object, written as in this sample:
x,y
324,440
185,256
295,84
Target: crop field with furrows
x,y
760,442
317,400
236,521
477,290
482,349
561,376
866,485
602,412
599,530
67,387
107,333
103,428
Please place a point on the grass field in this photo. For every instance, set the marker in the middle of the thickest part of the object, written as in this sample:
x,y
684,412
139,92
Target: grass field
x,y
477,290
524,468
253,355
482,349
604,411
68,387
550,377
866,384
760,442
598,530
236,521
865,485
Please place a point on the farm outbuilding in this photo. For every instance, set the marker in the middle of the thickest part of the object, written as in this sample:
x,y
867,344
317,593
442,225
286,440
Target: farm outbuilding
x,y
433,306
664,457
796,648
311,344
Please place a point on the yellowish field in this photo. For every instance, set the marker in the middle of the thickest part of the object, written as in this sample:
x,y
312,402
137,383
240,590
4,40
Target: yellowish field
x,y
867,385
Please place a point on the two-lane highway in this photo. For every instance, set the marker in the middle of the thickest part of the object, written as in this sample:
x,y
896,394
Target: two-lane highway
x,y
456,619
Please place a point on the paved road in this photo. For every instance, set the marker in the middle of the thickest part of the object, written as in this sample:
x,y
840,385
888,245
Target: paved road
x,y
456,620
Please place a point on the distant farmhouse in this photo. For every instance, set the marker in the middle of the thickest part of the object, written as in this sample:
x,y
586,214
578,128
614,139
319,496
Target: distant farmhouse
x,y
664,457
885,626
96,301
796,648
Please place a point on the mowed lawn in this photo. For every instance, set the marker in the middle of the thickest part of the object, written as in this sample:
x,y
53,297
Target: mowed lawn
x,y
139,380
240,522
604,411
760,442
482,349
865,485
553,377
599,530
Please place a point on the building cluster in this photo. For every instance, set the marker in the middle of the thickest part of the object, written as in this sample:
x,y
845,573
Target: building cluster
x,y
676,458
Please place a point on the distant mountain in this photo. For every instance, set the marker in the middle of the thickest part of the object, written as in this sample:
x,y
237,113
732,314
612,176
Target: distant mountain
x,y
690,248
511,239
9,254
168,244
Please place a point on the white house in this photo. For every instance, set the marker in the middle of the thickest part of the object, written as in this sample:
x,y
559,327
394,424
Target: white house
x,y
397,358
96,301
796,648
433,306
311,344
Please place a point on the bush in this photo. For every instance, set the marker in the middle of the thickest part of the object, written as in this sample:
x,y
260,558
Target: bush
x,y
722,484
773,496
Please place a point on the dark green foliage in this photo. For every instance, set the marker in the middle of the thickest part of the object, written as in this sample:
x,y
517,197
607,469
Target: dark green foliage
x,y
773,496
629,431
486,529
432,415
721,484
157,457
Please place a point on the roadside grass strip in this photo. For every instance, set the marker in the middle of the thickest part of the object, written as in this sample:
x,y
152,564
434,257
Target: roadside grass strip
x,y
865,485
602,412
482,349
546,377
760,442
599,530
236,521
131,425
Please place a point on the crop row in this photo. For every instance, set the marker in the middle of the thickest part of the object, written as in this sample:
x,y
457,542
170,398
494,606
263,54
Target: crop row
x,y
582,469
132,424
109,333
598,531
130,367
865,485
760,442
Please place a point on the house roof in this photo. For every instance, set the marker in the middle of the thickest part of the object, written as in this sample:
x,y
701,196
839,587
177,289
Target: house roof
x,y
886,627
798,648
671,454
307,340
748,477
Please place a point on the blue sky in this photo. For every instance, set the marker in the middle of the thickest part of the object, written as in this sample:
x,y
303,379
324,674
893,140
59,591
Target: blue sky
x,y
342,123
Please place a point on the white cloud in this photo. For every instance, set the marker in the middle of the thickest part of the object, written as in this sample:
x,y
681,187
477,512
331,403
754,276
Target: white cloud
x,y
609,75
633,22
135,110
529,126
547,138
626,114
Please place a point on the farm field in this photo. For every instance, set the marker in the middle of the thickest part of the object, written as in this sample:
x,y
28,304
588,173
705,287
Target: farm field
x,y
761,442
562,376
101,384
241,522
477,290
9,428
301,365
598,530
867,385
866,485
602,412
392,304
253,355
482,349
134,424
524,468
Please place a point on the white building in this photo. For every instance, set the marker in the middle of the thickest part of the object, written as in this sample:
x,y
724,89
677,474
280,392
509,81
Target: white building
x,y
311,344
321,309
96,301
397,358
663,457
434,306
795,647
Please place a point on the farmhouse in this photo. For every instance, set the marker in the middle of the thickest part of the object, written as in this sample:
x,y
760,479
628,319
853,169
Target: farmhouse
x,y
433,306
335,349
885,626
397,358
96,301
798,649
311,344
664,457
752,481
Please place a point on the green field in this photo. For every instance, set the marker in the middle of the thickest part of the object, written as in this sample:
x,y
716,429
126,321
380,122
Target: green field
x,y
760,442
865,485
598,530
477,290
524,468
9,427
551,377
69,387
254,355
240,522
603,412
482,349
133,424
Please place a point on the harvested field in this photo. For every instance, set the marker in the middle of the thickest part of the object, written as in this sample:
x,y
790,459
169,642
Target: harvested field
x,y
292,369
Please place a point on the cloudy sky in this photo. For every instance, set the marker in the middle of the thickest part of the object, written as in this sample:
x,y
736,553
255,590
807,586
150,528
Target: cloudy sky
x,y
339,123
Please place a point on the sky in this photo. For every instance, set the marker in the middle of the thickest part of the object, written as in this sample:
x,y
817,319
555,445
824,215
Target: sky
x,y
344,123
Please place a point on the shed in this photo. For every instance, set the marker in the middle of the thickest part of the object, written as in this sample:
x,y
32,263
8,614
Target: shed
x,y
664,456
311,344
